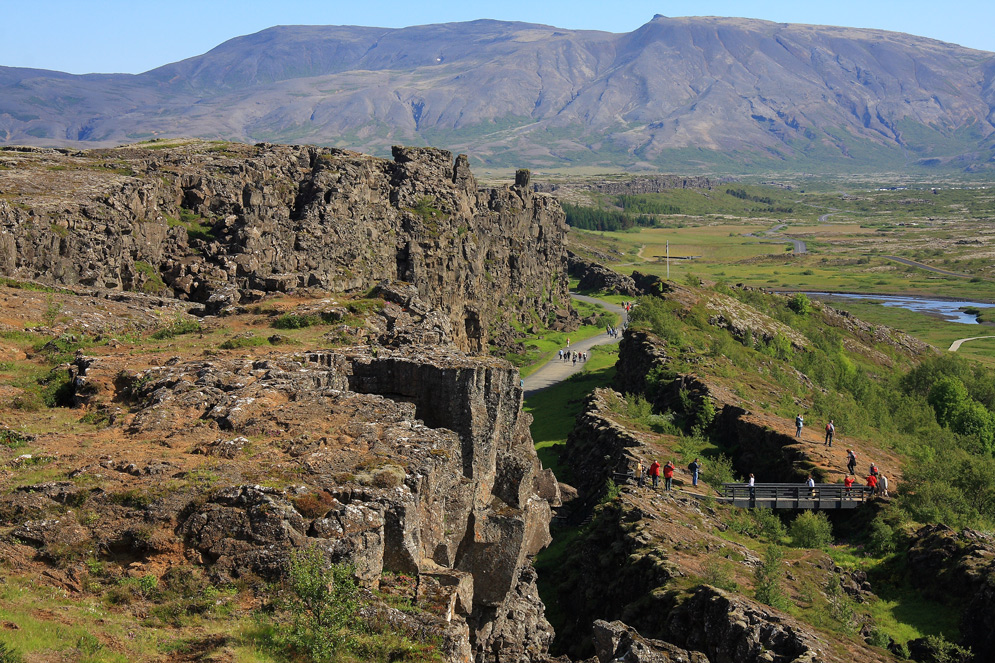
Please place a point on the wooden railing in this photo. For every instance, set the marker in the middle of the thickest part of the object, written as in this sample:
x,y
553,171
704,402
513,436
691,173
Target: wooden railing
x,y
796,495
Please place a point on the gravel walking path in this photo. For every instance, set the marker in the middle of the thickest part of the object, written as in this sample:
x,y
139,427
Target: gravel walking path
x,y
555,371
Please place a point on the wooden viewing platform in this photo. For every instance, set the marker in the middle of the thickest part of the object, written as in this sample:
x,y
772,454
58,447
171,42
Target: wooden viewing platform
x,y
796,495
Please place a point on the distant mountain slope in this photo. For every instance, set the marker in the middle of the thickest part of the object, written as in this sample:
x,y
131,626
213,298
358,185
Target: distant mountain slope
x,y
712,93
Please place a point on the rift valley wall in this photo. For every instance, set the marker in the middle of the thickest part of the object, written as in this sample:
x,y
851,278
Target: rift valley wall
x,y
221,224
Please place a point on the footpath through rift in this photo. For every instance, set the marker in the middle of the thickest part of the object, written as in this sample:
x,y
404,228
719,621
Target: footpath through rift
x,y
555,370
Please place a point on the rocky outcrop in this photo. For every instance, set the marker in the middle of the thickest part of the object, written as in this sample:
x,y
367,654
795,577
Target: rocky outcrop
x,y
417,463
958,568
598,448
595,277
731,628
223,224
639,352
643,560
614,641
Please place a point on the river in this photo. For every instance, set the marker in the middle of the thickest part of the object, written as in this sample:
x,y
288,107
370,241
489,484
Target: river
x,y
946,309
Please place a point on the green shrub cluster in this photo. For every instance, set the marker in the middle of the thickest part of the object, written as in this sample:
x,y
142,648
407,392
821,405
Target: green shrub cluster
x,y
177,328
12,439
811,529
327,618
239,342
768,578
297,321
760,523
9,654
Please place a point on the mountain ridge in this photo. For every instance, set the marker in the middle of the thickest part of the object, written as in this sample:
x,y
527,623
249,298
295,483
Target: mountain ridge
x,y
705,93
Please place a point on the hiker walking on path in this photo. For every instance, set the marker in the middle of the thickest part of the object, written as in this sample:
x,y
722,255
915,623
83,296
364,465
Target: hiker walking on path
x,y
668,476
847,485
694,468
851,462
830,431
655,474
799,422
753,488
882,485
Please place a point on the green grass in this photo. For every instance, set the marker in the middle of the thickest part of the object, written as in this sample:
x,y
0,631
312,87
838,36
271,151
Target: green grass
x,y
937,226
24,602
555,409
197,227
543,346
239,342
905,616
930,329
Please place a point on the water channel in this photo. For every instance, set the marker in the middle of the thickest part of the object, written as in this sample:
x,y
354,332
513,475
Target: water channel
x,y
948,310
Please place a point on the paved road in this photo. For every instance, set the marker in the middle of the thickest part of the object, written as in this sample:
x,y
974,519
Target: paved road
x,y
955,346
913,263
555,371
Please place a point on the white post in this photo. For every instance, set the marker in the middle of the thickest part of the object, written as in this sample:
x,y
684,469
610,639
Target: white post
x,y
668,259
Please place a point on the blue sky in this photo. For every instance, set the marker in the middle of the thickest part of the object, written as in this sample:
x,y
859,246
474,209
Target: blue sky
x,y
136,35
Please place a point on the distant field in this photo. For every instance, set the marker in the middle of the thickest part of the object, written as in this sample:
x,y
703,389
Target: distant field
x,y
947,228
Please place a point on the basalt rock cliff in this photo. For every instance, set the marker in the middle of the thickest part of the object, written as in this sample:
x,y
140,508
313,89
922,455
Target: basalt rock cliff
x,y
404,460
367,429
222,224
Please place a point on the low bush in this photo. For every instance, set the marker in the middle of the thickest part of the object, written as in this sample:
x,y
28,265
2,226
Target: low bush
x,y
880,537
761,523
8,654
176,329
296,321
323,601
314,505
718,574
811,529
767,578
239,342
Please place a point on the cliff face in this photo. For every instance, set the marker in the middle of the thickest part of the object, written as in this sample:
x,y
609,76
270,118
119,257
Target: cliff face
x,y
352,453
222,224
377,438
643,550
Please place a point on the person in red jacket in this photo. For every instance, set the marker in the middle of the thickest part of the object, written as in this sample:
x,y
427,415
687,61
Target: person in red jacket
x,y
872,482
668,475
847,484
655,473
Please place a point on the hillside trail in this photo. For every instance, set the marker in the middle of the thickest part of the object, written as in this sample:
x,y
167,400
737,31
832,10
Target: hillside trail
x,y
832,460
955,346
555,371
